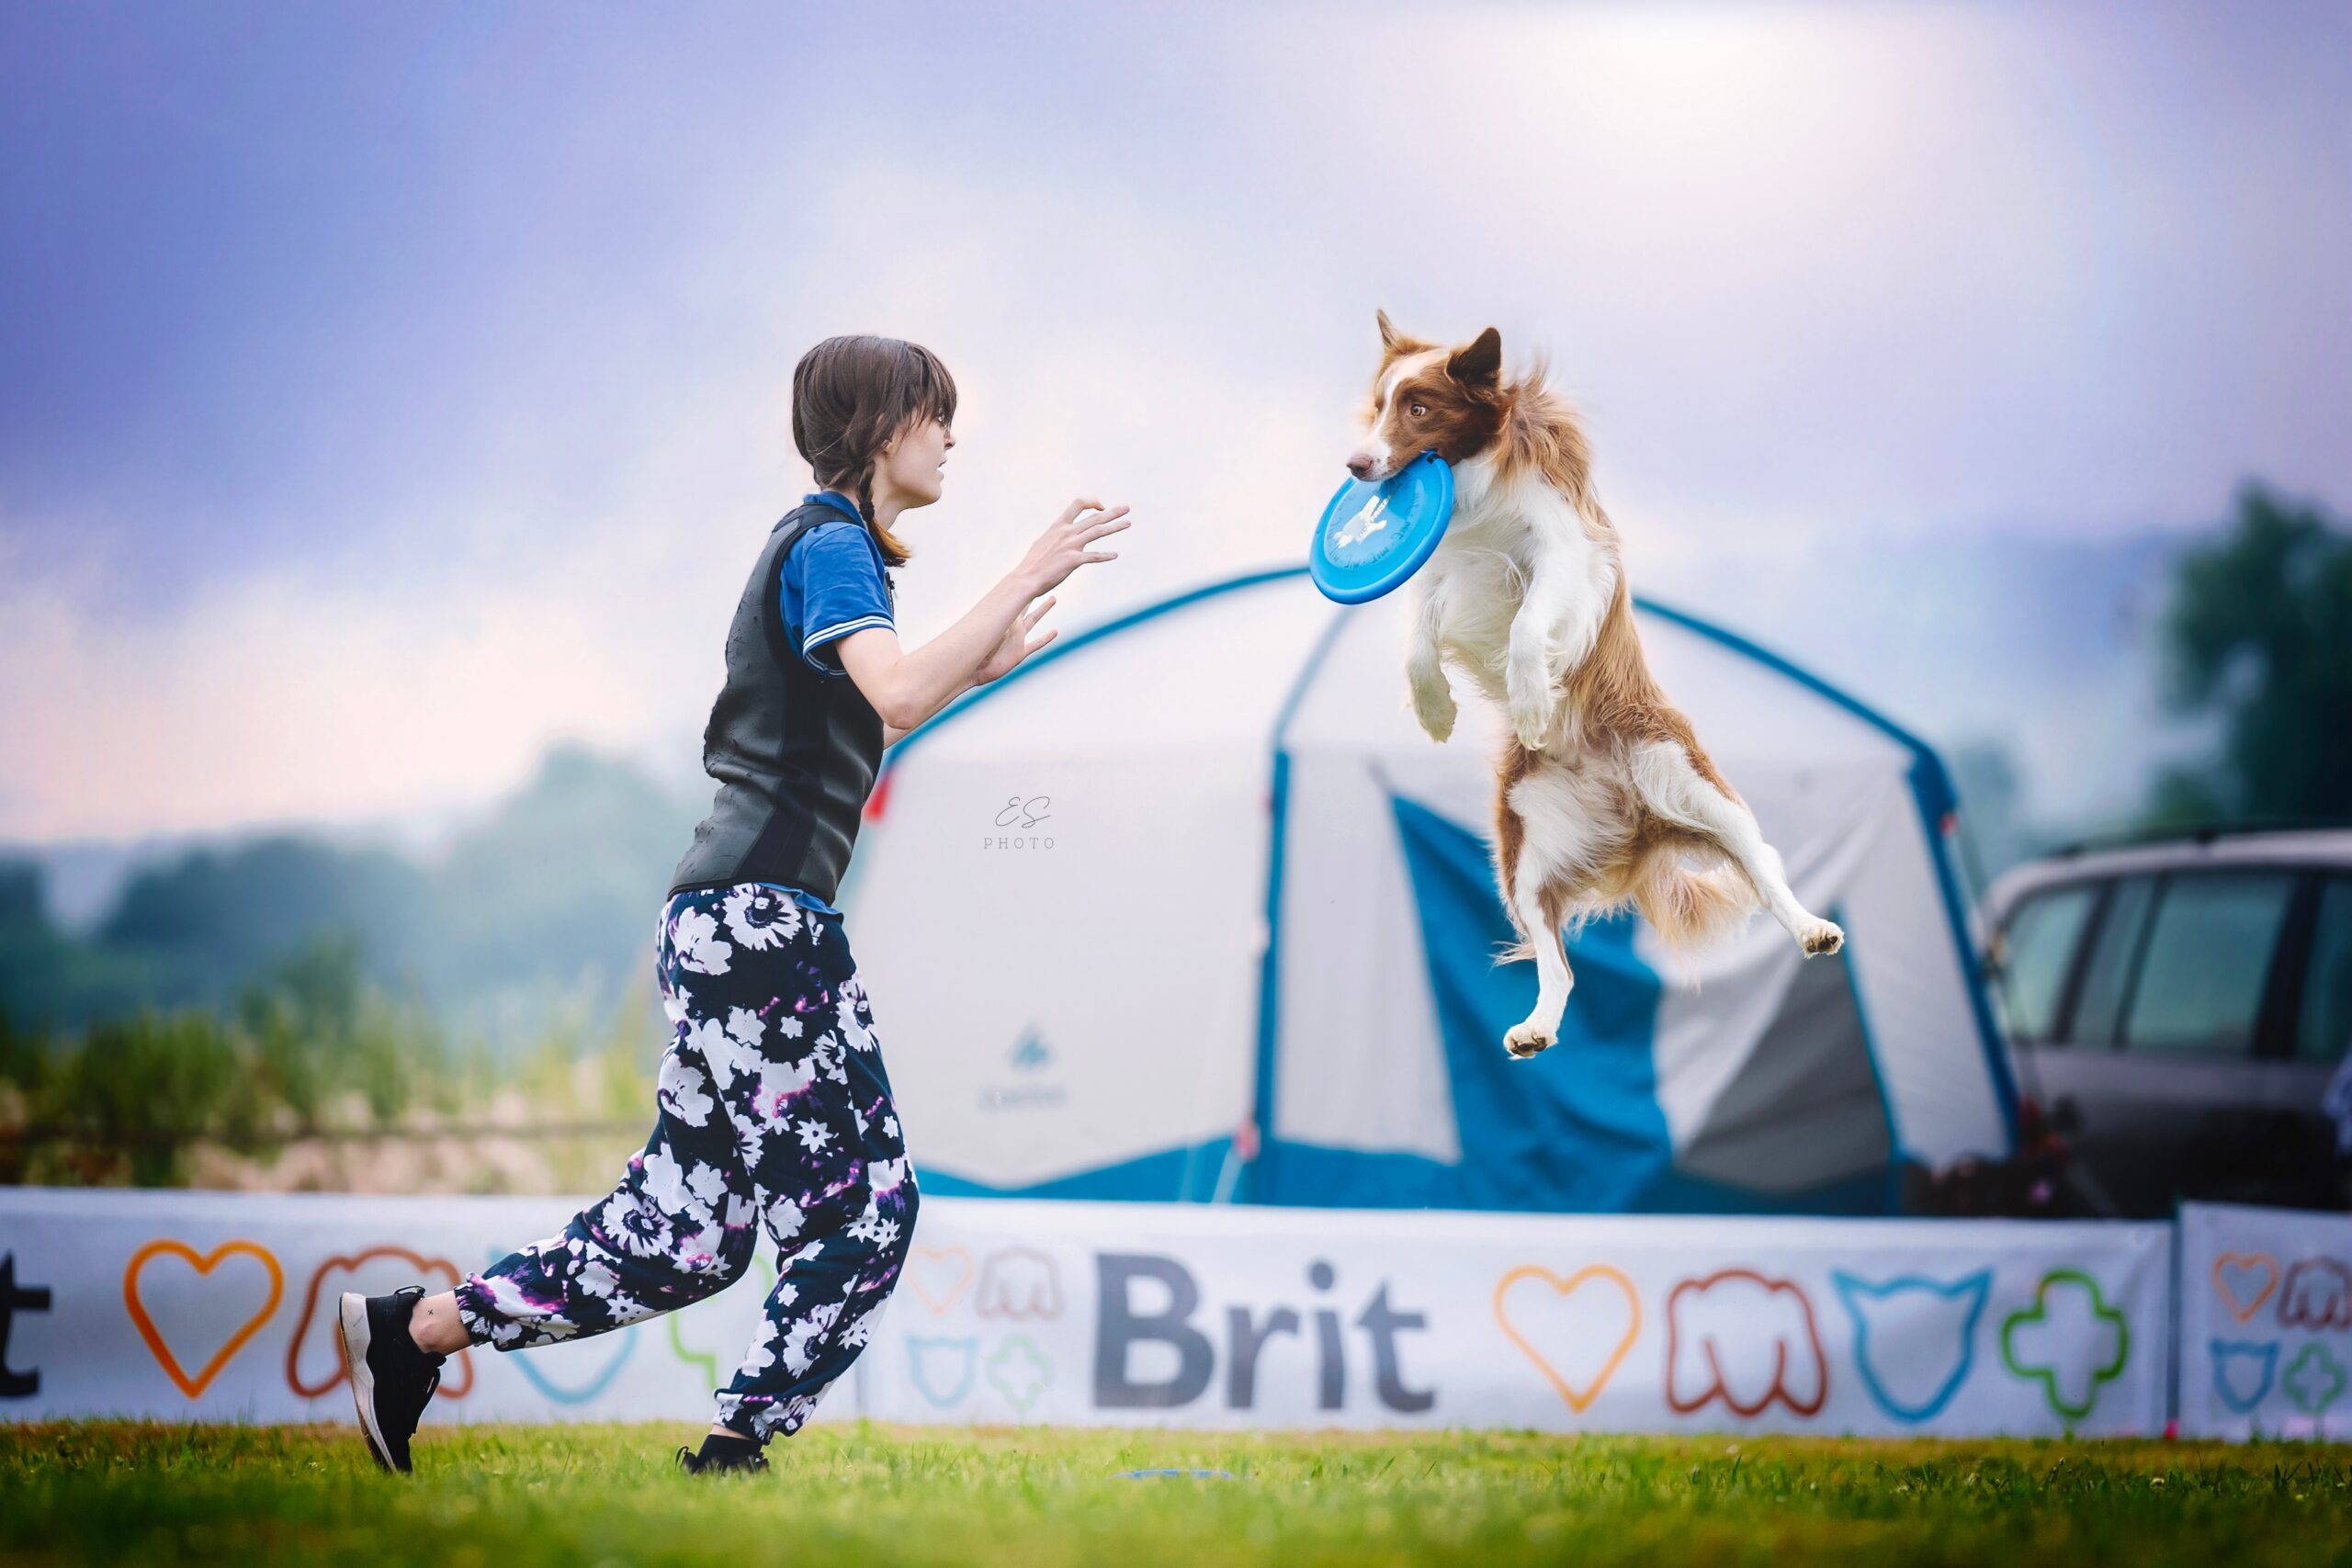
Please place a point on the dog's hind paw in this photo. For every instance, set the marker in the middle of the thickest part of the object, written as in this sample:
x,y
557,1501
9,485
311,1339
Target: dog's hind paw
x,y
1524,1041
1820,938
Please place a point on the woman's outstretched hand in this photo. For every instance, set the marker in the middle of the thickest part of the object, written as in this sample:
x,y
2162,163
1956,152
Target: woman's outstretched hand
x,y
906,688
1015,645
1063,547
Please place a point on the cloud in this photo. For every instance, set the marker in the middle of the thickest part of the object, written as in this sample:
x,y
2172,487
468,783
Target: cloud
x,y
383,682
1819,275
275,698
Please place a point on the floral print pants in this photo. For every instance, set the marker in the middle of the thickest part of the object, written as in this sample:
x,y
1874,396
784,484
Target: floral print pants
x,y
774,1112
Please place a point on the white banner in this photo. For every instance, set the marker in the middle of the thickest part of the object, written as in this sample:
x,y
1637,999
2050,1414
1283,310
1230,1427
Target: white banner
x,y
2265,1322
220,1306
1197,1316
216,1305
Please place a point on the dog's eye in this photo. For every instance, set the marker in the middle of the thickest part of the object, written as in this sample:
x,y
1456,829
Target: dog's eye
x,y
1418,411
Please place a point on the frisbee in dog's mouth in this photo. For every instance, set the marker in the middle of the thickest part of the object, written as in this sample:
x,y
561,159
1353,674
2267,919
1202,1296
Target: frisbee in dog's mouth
x,y
1374,535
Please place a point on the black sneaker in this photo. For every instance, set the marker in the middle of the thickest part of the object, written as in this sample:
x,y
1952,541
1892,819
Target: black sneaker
x,y
391,1380
694,1463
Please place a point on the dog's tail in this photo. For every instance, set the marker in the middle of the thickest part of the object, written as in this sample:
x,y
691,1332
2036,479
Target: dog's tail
x,y
1692,908
1520,952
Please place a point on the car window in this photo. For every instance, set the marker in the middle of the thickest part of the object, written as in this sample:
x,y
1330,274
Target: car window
x,y
2325,1027
2038,941
2115,950
2201,976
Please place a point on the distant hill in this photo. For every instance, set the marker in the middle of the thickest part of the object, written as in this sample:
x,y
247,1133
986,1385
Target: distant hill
x,y
548,901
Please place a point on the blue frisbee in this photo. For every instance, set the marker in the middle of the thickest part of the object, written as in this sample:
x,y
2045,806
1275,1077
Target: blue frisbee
x,y
1373,536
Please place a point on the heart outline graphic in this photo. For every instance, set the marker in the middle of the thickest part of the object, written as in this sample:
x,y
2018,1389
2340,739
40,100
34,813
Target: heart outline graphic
x,y
2228,1262
194,1387
1577,1401
457,1388
938,1306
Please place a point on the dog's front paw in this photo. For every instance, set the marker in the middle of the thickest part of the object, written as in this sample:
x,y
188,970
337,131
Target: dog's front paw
x,y
1524,1039
1530,719
1819,938
1433,704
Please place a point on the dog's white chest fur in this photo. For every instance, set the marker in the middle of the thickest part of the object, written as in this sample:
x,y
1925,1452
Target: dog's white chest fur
x,y
1512,548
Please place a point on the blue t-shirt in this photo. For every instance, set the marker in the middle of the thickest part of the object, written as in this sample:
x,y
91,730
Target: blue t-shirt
x,y
833,583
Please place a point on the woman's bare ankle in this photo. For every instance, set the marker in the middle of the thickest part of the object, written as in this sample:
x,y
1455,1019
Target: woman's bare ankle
x,y
436,1326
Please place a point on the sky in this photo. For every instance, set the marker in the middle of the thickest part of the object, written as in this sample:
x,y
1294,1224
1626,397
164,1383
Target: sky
x,y
389,392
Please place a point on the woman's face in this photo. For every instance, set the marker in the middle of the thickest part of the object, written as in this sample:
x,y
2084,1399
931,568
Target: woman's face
x,y
911,466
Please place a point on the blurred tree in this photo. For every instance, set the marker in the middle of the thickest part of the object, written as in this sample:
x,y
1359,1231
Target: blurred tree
x,y
215,917
1992,811
563,880
544,904
2259,637
24,903
47,979
28,943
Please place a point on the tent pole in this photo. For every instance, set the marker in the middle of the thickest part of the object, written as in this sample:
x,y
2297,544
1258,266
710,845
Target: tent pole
x,y
1257,1181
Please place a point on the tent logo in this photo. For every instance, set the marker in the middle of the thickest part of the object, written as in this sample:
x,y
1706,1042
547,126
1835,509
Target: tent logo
x,y
1030,1053
1030,1056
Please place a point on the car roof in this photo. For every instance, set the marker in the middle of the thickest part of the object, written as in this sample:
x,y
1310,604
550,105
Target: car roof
x,y
2317,847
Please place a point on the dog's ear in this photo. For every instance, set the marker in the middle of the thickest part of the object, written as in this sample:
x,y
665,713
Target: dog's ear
x,y
1389,336
1481,364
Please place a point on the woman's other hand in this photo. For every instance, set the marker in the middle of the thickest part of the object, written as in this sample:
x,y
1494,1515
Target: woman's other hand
x,y
1015,646
1063,547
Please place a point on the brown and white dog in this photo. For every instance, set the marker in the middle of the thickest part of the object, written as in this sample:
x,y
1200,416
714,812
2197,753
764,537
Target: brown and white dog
x,y
1603,795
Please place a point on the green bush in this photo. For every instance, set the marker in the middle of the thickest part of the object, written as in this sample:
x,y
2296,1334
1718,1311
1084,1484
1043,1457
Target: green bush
x,y
127,1099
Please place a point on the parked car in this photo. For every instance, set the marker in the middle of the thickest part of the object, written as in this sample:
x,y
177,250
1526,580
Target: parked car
x,y
2175,1010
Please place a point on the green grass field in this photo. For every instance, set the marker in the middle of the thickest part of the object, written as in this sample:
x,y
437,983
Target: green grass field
x,y
515,1496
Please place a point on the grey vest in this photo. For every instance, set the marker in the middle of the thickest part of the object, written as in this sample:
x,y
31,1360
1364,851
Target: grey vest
x,y
795,752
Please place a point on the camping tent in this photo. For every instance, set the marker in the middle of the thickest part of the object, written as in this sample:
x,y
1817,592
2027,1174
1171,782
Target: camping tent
x,y
1189,907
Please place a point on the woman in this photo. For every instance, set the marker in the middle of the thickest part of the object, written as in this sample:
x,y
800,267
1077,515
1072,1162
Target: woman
x,y
774,1108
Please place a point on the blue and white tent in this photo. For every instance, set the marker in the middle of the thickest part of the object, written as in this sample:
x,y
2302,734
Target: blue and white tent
x,y
1189,907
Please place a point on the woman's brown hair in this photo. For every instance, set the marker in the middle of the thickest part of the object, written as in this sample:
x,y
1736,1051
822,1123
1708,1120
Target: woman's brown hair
x,y
850,396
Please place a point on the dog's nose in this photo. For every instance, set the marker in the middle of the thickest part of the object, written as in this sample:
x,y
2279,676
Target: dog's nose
x,y
1361,465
